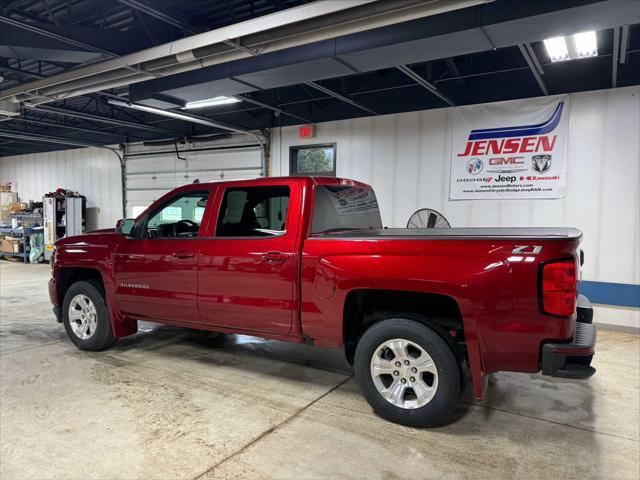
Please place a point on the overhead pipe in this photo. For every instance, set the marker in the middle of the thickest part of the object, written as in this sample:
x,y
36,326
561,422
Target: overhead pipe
x,y
172,49
297,26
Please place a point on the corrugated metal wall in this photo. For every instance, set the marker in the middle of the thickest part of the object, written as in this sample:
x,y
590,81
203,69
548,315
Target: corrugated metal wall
x,y
93,172
406,159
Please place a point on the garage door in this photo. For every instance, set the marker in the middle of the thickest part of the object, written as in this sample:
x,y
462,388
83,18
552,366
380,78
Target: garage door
x,y
152,171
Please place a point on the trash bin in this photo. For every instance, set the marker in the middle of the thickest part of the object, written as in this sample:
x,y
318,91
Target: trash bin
x,y
36,241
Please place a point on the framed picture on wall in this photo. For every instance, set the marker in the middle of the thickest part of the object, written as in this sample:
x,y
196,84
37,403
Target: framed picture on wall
x,y
313,160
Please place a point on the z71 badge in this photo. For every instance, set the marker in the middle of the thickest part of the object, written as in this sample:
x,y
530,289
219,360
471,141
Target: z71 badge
x,y
527,249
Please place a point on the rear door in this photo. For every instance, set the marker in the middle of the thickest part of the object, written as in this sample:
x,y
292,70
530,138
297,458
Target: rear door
x,y
156,272
246,270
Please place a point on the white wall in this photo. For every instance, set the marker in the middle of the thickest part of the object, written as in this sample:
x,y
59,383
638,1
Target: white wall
x,y
93,172
405,157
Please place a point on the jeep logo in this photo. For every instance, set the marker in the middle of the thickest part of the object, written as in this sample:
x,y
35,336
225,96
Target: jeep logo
x,y
502,178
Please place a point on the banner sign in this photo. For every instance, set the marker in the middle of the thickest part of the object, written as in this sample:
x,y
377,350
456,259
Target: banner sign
x,y
514,149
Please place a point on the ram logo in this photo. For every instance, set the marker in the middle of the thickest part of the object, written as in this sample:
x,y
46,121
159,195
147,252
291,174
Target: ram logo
x,y
541,163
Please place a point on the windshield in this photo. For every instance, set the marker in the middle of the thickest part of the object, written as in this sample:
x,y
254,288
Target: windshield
x,y
344,207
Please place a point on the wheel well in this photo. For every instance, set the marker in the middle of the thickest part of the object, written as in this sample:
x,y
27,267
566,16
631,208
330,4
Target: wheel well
x,y
363,308
69,276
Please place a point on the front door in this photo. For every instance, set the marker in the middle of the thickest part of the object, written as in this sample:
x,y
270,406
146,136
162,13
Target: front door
x,y
156,272
246,270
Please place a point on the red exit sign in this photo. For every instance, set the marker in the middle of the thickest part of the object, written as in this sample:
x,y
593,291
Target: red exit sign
x,y
306,131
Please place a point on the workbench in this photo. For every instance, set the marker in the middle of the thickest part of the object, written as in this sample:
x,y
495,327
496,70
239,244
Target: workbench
x,y
24,234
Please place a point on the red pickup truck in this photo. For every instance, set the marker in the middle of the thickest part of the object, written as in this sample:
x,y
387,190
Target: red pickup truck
x,y
307,260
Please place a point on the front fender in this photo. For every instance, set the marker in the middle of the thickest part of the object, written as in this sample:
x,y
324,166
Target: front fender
x,y
98,256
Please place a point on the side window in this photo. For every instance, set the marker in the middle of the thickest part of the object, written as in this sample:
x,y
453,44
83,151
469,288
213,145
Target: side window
x,y
253,212
180,218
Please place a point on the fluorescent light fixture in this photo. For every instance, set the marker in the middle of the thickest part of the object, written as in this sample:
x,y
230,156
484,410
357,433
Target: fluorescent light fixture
x,y
578,45
557,49
212,102
187,117
586,44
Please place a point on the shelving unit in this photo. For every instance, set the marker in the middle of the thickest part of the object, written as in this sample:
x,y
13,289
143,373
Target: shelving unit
x,y
63,216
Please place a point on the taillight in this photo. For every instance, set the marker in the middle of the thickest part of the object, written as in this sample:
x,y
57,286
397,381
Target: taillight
x,y
559,288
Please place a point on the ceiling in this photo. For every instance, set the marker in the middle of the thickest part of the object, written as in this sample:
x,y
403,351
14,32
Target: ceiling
x,y
480,54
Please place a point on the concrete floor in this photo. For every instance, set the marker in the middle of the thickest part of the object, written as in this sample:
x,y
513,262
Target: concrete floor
x,y
170,403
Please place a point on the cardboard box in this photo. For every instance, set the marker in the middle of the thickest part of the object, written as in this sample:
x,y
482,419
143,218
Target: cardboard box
x,y
17,207
7,198
5,215
11,245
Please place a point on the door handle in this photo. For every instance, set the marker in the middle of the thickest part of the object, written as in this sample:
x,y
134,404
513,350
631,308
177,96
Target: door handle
x,y
183,254
275,257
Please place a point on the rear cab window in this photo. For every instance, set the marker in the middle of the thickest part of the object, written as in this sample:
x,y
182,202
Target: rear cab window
x,y
344,207
253,212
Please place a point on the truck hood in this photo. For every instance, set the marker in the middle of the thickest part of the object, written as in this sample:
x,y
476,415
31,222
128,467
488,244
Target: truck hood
x,y
101,237
100,231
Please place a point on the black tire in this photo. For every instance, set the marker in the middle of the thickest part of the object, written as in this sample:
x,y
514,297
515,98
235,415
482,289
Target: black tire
x,y
103,336
449,376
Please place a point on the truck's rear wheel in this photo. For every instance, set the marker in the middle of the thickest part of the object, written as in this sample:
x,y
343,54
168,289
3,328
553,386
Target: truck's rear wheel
x,y
408,373
86,318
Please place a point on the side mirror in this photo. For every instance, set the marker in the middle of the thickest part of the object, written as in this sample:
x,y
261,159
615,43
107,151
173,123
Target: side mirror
x,y
125,226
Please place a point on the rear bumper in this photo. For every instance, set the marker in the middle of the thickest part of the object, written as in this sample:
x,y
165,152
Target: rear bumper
x,y
573,360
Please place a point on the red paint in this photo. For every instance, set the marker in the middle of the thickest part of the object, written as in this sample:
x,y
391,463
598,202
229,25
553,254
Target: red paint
x,y
543,143
295,286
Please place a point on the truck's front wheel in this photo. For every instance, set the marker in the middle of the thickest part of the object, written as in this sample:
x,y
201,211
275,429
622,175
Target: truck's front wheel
x,y
86,318
408,373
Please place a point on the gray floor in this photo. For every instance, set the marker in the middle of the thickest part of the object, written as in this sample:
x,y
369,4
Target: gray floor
x,y
169,403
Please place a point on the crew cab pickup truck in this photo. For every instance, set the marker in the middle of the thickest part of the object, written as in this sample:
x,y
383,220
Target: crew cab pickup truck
x,y
305,259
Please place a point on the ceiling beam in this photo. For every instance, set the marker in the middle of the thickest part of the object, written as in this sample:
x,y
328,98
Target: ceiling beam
x,y
11,5
98,118
616,56
424,83
164,14
54,36
15,134
534,58
76,128
451,65
277,110
533,68
17,71
8,147
340,97
624,44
